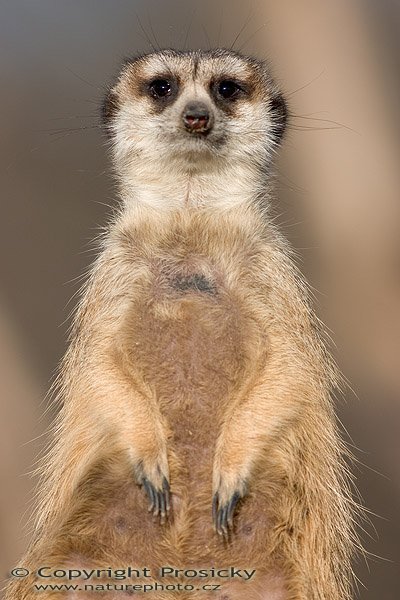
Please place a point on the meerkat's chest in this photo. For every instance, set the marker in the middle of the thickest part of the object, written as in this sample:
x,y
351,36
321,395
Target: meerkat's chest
x,y
190,333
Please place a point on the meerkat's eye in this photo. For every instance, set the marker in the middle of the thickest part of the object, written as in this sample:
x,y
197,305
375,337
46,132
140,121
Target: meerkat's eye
x,y
229,89
160,88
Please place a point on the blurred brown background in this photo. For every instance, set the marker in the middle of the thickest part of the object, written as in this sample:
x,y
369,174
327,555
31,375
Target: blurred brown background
x,y
338,62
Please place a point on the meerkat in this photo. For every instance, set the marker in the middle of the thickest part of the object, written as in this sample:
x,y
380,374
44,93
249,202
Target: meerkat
x,y
196,426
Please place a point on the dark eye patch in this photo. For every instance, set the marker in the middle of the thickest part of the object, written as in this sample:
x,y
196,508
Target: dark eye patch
x,y
229,89
162,89
226,91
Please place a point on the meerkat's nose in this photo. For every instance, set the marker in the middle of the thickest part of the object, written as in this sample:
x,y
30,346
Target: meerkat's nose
x,y
196,117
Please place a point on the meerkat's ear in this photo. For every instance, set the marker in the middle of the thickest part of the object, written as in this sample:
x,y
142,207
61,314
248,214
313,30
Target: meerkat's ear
x,y
279,112
109,109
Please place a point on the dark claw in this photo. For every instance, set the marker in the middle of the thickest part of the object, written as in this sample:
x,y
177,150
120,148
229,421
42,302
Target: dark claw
x,y
159,501
231,508
215,509
162,507
156,503
222,521
166,494
223,514
150,492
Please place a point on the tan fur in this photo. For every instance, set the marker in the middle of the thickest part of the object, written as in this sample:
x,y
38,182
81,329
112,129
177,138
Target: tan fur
x,y
221,390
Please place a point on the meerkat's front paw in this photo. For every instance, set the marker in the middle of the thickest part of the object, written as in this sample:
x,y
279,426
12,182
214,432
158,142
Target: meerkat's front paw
x,y
228,491
155,482
159,499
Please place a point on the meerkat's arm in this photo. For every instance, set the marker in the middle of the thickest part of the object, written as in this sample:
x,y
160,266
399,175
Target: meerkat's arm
x,y
274,399
105,400
129,411
285,383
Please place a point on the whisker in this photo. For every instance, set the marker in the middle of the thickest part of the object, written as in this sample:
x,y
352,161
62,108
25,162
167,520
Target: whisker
x,y
242,29
303,87
305,128
189,28
152,31
84,80
220,25
70,129
207,37
341,125
263,26
147,37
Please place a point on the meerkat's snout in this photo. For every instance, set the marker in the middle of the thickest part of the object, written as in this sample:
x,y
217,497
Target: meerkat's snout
x,y
197,118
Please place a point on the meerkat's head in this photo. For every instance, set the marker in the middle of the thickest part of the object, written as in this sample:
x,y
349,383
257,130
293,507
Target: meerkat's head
x,y
193,111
